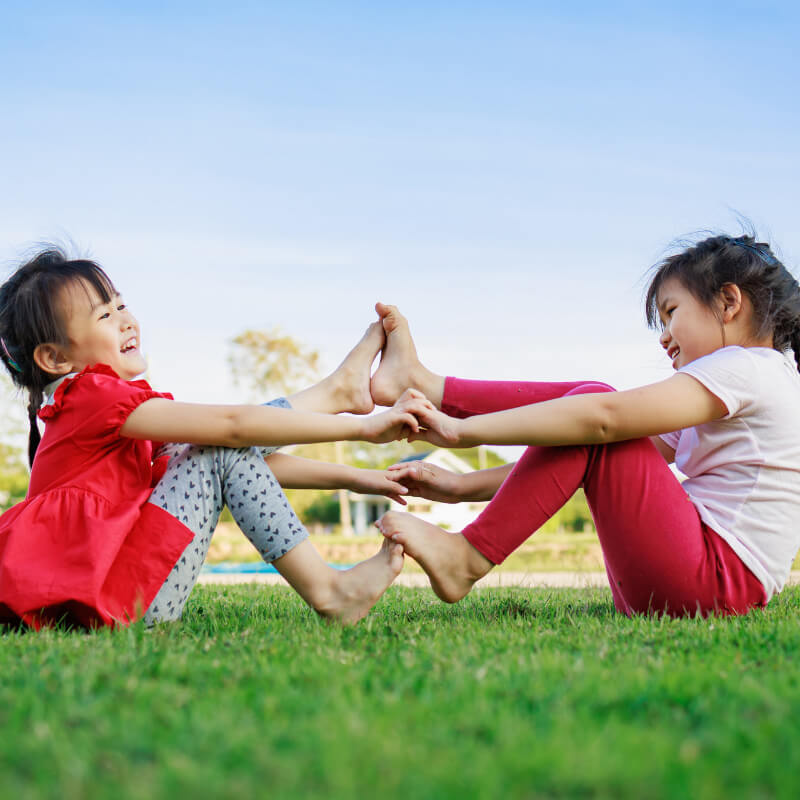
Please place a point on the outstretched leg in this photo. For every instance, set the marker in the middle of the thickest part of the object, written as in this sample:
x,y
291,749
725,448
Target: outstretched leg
x,y
199,481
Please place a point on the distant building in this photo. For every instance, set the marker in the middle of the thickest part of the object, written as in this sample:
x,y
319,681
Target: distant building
x,y
365,509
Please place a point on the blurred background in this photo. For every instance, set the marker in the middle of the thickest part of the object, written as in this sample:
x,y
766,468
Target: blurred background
x,y
506,173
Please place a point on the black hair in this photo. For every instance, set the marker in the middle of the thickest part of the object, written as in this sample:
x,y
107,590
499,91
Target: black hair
x,y
30,315
705,267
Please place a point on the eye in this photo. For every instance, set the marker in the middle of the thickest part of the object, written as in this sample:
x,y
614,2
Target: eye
x,y
122,307
104,316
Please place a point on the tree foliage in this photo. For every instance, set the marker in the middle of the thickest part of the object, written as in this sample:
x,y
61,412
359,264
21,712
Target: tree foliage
x,y
271,363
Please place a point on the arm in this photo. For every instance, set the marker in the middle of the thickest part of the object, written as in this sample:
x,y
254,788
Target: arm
x,y
443,486
293,472
241,426
676,403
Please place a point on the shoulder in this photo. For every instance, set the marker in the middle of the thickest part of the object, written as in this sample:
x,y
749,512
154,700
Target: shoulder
x,y
746,376
731,373
95,387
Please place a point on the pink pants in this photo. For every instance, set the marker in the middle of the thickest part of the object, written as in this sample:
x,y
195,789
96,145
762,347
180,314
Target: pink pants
x,y
660,557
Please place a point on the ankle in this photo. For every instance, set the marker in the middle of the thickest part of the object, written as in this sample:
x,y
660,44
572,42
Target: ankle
x,y
427,382
475,564
324,596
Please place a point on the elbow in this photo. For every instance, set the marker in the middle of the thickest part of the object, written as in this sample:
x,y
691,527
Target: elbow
x,y
606,425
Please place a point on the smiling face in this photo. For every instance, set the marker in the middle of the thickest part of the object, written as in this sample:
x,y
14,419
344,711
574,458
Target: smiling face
x,y
690,328
99,333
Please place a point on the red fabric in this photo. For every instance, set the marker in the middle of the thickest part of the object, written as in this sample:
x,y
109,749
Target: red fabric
x,y
85,546
659,555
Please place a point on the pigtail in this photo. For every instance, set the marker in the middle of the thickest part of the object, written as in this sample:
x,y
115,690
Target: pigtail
x,y
35,399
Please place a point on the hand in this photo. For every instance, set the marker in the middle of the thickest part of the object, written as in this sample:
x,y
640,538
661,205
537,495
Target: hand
x,y
378,481
428,481
399,422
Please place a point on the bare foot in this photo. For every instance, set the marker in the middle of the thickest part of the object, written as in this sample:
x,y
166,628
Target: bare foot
x,y
356,590
400,367
451,562
346,389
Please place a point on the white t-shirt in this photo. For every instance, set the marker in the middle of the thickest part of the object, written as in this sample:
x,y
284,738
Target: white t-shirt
x,y
744,469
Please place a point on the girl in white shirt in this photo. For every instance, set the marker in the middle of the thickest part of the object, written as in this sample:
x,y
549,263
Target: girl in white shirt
x,y
721,542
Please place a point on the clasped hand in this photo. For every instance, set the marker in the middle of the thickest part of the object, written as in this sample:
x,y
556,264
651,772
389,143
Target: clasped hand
x,y
415,418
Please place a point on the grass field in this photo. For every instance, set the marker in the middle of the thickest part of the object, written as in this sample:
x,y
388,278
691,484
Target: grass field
x,y
510,694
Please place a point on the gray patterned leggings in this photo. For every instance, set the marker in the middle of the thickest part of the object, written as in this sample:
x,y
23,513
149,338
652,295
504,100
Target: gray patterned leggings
x,y
199,481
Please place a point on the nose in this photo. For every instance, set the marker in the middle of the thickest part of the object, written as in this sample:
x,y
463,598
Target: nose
x,y
664,339
127,320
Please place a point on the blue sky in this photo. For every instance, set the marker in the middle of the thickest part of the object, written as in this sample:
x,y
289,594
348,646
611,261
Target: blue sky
x,y
505,172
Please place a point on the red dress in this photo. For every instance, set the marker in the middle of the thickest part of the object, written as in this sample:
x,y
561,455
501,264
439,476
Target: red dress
x,y
85,546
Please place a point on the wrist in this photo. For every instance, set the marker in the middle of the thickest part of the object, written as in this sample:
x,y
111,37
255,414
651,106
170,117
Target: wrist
x,y
349,478
460,488
463,435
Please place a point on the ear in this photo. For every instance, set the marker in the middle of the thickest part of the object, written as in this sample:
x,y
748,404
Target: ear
x,y
730,299
52,359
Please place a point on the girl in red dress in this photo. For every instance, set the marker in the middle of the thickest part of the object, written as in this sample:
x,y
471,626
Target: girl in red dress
x,y
725,539
115,526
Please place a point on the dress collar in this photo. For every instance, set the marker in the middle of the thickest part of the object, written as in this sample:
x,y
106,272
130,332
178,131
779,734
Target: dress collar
x,y
50,389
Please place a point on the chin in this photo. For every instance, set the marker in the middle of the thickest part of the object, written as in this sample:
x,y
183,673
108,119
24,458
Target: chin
x,y
130,371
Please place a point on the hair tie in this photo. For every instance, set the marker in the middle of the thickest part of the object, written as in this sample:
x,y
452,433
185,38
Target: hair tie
x,y
8,355
765,257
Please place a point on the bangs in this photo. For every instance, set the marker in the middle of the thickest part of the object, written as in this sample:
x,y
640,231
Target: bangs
x,y
662,273
88,273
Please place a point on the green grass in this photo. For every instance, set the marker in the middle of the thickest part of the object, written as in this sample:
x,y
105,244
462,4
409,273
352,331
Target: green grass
x,y
510,694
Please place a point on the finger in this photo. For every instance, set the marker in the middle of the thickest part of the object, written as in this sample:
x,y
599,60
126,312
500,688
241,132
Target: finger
x,y
398,499
411,421
419,402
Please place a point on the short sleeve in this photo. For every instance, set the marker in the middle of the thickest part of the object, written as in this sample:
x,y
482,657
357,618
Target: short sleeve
x,y
99,402
728,373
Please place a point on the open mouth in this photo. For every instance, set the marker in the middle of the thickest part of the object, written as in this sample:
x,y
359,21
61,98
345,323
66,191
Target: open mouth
x,y
673,354
130,345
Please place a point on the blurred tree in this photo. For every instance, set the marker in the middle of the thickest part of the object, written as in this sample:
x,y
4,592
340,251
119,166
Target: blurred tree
x,y
270,363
